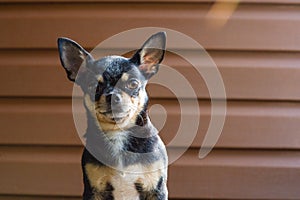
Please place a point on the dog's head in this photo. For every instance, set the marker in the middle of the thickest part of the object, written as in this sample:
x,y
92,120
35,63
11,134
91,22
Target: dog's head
x,y
114,86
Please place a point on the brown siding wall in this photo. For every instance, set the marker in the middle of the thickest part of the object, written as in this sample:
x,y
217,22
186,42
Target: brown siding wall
x,y
257,53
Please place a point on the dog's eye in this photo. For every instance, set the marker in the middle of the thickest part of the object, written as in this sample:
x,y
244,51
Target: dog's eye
x,y
133,84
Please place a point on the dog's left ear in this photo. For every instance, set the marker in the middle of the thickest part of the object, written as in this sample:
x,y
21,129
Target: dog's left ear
x,y
72,56
151,54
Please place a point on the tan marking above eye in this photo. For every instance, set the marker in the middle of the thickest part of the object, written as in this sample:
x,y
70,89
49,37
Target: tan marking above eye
x,y
100,78
125,77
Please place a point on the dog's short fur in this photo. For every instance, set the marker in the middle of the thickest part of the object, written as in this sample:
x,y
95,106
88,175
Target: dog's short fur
x,y
124,158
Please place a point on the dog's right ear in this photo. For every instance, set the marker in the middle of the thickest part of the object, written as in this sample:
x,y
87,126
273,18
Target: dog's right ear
x,y
151,54
71,56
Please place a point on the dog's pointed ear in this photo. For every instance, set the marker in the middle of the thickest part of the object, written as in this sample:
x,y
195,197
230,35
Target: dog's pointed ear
x,y
151,54
72,55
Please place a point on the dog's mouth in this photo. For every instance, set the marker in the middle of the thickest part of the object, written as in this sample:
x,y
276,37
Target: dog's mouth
x,y
114,116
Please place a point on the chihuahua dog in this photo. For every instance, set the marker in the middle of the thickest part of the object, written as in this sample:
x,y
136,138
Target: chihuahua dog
x,y
124,157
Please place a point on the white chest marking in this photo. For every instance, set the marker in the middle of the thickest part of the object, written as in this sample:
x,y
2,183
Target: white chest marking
x,y
124,182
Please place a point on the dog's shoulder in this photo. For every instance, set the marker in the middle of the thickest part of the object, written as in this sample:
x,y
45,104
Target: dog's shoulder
x,y
134,181
142,170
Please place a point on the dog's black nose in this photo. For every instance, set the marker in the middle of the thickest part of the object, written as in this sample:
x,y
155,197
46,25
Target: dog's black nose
x,y
114,98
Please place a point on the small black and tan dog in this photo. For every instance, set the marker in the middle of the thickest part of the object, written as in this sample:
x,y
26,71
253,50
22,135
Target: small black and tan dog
x,y
124,157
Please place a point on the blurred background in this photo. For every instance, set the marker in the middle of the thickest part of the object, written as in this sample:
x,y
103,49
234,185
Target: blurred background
x,y
255,45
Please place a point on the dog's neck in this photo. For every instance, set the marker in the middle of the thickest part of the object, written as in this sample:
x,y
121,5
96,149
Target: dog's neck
x,y
111,146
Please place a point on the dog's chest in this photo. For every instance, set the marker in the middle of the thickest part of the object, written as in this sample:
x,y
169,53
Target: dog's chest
x,y
124,187
124,182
